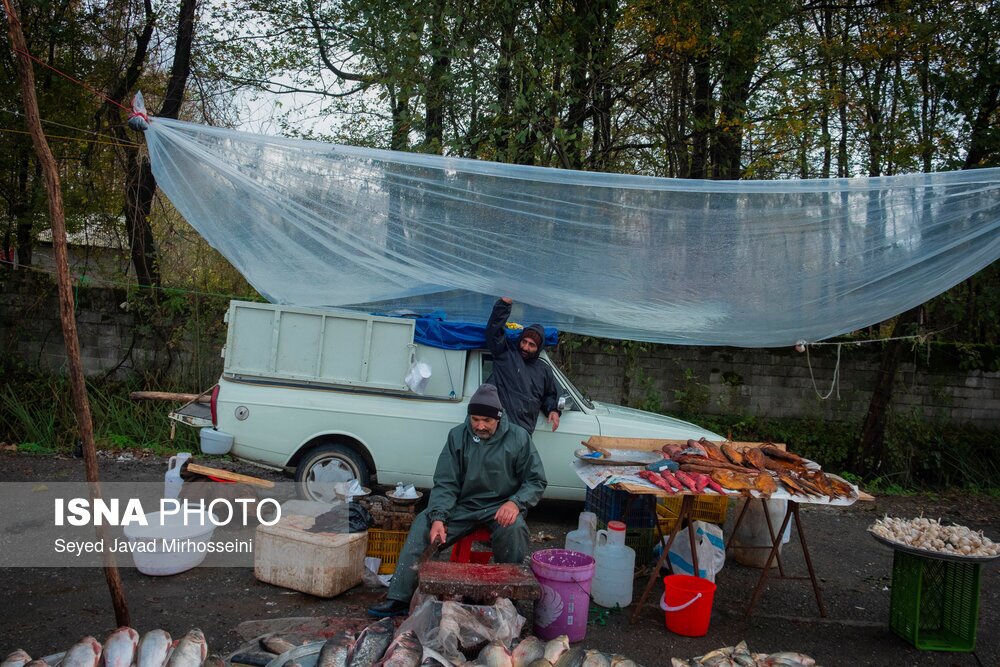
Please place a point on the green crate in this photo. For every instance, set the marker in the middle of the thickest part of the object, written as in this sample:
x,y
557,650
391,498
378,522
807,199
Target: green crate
x,y
640,540
935,603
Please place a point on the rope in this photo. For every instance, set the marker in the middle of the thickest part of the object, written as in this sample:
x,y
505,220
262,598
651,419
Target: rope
x,y
835,384
76,81
69,127
86,141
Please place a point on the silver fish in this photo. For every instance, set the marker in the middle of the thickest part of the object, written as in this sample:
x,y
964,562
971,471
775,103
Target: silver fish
x,y
119,648
432,659
84,653
596,659
541,662
621,661
555,648
276,644
404,651
336,650
530,649
17,658
571,658
154,649
190,651
494,654
789,659
372,643
37,663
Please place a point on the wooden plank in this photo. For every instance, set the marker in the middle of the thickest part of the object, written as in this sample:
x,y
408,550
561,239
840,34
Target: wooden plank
x,y
228,476
168,396
652,444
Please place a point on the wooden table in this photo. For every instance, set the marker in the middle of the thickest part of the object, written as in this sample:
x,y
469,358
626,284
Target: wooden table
x,y
480,583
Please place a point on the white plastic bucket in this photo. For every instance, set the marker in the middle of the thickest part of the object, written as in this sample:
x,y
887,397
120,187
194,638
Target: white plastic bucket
x,y
158,562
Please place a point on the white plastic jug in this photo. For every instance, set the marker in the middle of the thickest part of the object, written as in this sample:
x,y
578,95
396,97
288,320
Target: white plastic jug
x,y
172,481
752,540
584,537
615,569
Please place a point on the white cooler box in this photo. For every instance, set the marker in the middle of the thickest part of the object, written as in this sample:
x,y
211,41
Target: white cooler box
x,y
321,564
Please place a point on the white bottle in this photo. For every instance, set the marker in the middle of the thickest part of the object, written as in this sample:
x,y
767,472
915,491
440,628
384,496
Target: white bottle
x,y
615,569
172,481
583,538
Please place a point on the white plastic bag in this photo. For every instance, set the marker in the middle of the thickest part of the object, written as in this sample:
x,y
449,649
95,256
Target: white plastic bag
x,y
710,546
418,377
455,630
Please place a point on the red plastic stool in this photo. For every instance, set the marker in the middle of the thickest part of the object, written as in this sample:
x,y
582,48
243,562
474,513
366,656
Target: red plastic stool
x,y
462,551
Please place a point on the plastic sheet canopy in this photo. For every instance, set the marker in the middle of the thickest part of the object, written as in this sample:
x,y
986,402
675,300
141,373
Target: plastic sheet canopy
x,y
743,263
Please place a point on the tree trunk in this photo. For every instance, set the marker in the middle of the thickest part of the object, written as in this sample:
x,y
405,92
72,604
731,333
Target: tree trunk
x,y
702,112
81,405
579,93
434,116
871,451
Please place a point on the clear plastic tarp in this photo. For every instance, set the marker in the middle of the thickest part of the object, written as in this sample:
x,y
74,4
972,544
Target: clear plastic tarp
x,y
743,263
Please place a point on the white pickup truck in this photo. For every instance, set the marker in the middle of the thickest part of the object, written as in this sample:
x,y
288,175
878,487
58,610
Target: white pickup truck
x,y
321,394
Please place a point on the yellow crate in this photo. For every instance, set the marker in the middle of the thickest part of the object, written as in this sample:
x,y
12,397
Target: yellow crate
x,y
386,544
710,508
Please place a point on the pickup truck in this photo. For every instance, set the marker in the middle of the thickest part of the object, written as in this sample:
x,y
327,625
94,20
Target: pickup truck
x,y
321,395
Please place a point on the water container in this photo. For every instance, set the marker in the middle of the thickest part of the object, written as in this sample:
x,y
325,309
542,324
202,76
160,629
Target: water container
x,y
752,540
583,538
172,481
615,569
564,577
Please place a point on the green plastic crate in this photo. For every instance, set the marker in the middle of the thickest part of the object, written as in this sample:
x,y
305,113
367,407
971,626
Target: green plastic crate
x,y
935,603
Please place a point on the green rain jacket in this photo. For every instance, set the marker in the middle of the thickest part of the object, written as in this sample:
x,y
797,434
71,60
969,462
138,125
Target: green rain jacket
x,y
474,477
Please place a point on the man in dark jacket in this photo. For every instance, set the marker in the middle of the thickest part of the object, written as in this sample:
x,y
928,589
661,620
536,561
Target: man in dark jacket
x,y
525,383
488,474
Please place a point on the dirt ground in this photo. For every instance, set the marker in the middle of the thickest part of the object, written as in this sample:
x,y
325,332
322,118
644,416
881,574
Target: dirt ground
x,y
46,610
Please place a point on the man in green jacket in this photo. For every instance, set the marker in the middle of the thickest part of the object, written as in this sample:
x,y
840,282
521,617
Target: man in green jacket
x,y
488,474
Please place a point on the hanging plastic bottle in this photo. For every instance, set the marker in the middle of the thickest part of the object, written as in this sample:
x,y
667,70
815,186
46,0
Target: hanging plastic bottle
x,y
172,481
584,538
615,569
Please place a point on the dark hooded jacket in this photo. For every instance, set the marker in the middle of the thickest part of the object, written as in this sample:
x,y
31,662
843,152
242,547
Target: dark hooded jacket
x,y
525,387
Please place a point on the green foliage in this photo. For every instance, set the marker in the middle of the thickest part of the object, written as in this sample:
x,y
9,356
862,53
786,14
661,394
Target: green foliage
x,y
692,396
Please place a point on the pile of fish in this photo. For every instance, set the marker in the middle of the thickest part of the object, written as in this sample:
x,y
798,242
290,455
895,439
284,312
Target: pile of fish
x,y
703,467
932,535
740,656
123,648
533,652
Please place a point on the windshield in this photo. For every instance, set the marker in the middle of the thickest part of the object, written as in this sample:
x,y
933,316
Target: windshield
x,y
568,386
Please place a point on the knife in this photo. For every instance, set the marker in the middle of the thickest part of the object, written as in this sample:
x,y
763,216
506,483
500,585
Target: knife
x,y
431,549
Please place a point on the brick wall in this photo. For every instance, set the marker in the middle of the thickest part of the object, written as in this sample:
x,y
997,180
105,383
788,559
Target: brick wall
x,y
115,339
762,383
772,383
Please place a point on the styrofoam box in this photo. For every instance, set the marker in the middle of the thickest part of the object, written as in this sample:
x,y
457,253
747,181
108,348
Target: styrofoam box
x,y
215,442
321,564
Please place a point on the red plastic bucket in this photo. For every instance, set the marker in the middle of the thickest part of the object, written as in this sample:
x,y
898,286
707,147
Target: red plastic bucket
x,y
687,603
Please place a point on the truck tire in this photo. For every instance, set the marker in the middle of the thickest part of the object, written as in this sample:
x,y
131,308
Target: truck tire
x,y
324,465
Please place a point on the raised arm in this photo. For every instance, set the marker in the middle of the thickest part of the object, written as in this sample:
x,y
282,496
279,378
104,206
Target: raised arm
x,y
496,328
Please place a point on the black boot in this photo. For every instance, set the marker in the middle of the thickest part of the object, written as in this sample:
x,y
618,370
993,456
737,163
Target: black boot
x,y
389,608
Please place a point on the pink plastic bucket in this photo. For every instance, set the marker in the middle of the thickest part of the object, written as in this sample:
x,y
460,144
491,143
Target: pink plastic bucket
x,y
565,580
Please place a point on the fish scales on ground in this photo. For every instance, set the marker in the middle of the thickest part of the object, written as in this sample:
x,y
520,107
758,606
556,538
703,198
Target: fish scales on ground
x,y
16,658
336,650
404,651
154,649
190,651
119,648
84,653
372,643
530,648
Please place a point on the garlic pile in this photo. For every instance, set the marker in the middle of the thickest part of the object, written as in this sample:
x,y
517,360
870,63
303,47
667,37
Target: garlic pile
x,y
931,535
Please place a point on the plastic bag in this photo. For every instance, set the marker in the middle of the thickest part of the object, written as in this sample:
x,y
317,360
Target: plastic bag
x,y
459,631
418,377
711,551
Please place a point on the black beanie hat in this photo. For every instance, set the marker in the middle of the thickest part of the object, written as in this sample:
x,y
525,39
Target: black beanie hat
x,y
537,332
485,402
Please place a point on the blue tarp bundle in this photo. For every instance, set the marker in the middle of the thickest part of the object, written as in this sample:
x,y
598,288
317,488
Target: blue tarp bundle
x,y
435,331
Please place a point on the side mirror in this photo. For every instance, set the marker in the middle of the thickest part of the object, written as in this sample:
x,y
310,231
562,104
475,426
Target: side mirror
x,y
565,403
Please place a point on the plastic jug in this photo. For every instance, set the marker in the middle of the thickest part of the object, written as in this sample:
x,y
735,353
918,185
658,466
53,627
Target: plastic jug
x,y
615,569
583,538
172,481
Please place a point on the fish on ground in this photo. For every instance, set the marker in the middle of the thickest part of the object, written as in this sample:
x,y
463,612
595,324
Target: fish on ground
x,y
336,650
17,658
84,653
372,643
119,648
154,649
190,651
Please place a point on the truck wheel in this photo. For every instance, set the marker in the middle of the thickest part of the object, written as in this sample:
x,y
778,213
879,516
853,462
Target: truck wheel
x,y
324,466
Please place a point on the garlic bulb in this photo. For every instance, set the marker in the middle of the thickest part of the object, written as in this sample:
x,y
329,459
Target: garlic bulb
x,y
932,535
